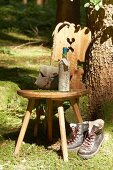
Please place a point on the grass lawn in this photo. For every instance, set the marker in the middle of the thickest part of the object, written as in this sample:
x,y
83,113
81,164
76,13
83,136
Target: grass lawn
x,y
21,53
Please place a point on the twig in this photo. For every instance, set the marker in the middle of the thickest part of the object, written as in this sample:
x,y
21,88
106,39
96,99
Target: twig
x,y
19,46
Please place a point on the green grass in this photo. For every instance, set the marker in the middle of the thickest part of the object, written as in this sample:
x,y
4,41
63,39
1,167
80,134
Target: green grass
x,y
19,66
34,157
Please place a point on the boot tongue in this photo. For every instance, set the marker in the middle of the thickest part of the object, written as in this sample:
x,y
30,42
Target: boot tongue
x,y
94,129
72,125
98,123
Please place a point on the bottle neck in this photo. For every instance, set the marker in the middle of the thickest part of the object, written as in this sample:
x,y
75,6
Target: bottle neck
x,y
64,54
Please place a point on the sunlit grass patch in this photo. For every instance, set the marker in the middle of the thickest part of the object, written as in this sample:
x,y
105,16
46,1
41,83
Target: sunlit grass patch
x,y
35,51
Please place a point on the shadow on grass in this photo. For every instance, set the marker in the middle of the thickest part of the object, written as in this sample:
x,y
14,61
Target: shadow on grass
x,y
10,38
19,76
5,36
42,132
41,139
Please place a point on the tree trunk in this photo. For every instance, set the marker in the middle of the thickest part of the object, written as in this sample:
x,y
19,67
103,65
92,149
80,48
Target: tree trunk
x,y
24,2
68,10
40,2
99,63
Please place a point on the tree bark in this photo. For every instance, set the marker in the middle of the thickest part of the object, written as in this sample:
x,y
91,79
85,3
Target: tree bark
x,y
99,63
40,2
24,2
68,10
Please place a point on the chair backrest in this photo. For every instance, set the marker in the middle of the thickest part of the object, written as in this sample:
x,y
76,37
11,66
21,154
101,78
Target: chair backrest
x,y
75,38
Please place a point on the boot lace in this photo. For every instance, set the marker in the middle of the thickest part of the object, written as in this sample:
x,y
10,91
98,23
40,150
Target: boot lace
x,y
73,135
89,141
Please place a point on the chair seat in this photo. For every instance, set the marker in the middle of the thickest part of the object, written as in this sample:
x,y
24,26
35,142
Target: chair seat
x,y
55,95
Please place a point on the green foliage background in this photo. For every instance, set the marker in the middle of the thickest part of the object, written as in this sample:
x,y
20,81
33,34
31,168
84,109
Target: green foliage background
x,y
14,16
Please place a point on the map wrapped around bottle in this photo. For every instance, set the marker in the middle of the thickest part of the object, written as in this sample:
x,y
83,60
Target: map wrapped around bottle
x,y
64,73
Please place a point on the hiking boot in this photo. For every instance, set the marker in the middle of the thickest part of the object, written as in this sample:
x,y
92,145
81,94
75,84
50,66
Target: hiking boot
x,y
93,141
77,135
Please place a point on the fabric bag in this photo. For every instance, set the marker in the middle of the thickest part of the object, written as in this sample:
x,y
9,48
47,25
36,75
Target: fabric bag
x,y
47,78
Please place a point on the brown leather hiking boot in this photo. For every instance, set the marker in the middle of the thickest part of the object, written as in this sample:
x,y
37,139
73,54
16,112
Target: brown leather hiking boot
x,y
93,141
77,136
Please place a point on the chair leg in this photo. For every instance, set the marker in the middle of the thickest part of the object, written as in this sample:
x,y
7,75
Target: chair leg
x,y
76,109
37,119
49,119
63,133
24,125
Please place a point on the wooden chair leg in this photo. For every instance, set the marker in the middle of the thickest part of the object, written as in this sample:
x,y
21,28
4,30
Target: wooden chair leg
x,y
76,110
49,119
37,119
63,133
24,125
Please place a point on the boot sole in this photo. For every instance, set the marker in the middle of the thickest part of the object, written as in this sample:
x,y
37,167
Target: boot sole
x,y
74,149
91,155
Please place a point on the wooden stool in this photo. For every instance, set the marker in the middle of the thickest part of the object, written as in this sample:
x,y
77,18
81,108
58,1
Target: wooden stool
x,y
50,96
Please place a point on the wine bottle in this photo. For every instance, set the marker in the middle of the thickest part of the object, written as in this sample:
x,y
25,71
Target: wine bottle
x,y
64,72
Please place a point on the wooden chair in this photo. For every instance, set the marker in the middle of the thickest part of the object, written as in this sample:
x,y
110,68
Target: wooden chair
x,y
76,40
